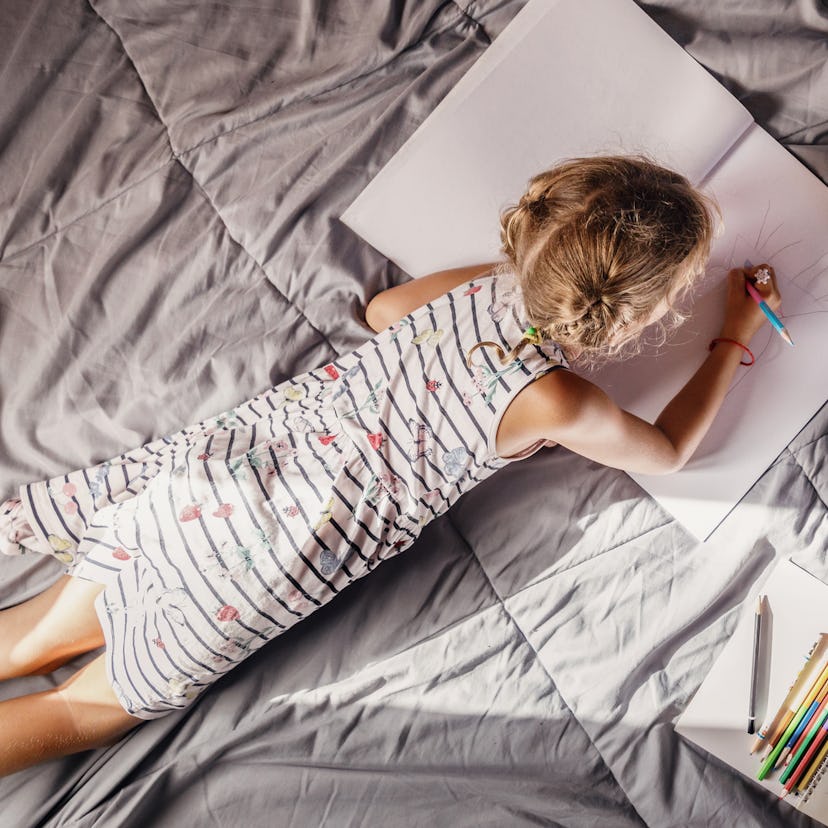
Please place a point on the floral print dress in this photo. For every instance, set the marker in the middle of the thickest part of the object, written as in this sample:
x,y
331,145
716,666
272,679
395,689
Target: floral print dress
x,y
214,540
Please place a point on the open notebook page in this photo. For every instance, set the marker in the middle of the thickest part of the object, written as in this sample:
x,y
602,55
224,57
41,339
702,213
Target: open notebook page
x,y
774,211
565,78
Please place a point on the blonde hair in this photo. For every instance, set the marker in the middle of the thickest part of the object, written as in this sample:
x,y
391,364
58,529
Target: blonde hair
x,y
597,244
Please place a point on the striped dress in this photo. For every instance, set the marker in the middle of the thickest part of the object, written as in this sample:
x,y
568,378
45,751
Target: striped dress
x,y
214,540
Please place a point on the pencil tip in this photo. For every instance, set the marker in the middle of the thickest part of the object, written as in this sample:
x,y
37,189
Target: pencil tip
x,y
784,793
787,337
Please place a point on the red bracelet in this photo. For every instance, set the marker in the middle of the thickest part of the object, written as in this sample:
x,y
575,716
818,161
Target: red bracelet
x,y
734,342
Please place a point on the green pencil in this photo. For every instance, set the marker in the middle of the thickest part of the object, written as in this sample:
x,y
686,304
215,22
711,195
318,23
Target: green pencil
x,y
770,760
788,772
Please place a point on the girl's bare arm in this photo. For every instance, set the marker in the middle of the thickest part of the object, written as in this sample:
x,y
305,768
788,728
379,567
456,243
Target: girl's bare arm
x,y
579,415
393,304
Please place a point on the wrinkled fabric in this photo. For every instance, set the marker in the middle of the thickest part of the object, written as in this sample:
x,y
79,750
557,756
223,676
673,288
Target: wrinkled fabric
x,y
172,177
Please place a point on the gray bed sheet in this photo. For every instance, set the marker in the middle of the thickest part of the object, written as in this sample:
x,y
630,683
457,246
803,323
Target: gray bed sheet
x,y
171,176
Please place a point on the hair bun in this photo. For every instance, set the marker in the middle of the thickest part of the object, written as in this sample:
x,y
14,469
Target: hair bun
x,y
597,243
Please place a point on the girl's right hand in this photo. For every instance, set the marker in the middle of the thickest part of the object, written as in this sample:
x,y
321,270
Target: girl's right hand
x,y
743,317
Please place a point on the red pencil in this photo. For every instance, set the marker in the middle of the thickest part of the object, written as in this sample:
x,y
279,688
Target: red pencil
x,y
805,762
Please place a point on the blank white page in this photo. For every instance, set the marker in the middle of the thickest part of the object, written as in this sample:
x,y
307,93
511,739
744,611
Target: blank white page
x,y
774,210
565,78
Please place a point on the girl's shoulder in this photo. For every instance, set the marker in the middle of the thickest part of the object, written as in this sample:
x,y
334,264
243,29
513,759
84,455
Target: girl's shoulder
x,y
542,410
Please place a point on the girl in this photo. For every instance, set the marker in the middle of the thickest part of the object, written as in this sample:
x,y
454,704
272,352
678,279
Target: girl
x,y
188,554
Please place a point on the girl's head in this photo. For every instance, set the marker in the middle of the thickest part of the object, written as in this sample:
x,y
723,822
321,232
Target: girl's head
x,y
603,247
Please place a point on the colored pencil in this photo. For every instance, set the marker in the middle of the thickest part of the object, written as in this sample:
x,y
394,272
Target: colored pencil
x,y
777,735
809,774
799,734
772,317
770,762
817,706
773,728
799,764
771,731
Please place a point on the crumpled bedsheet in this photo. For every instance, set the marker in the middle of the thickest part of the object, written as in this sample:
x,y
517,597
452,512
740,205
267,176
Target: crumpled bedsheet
x,y
171,177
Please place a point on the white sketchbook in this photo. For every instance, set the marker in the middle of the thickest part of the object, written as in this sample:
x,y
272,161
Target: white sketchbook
x,y
795,614
587,77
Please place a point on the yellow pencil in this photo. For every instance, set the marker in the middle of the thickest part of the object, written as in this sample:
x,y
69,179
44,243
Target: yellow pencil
x,y
809,775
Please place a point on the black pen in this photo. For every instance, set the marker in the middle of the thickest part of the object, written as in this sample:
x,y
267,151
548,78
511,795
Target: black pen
x,y
754,670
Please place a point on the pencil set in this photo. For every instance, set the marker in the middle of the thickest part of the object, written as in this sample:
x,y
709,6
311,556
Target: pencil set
x,y
795,740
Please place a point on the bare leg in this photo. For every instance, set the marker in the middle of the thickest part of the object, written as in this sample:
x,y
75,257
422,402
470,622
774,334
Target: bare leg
x,y
83,713
48,630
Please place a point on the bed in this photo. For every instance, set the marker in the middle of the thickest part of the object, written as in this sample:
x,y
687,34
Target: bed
x,y
171,176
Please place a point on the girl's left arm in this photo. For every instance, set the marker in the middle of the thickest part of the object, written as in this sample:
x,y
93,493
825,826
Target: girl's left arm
x,y
393,304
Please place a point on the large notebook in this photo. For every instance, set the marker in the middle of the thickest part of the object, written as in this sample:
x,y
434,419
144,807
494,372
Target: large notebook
x,y
716,718
586,77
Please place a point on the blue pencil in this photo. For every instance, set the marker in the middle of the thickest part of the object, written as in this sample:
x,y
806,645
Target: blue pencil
x,y
803,724
772,317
